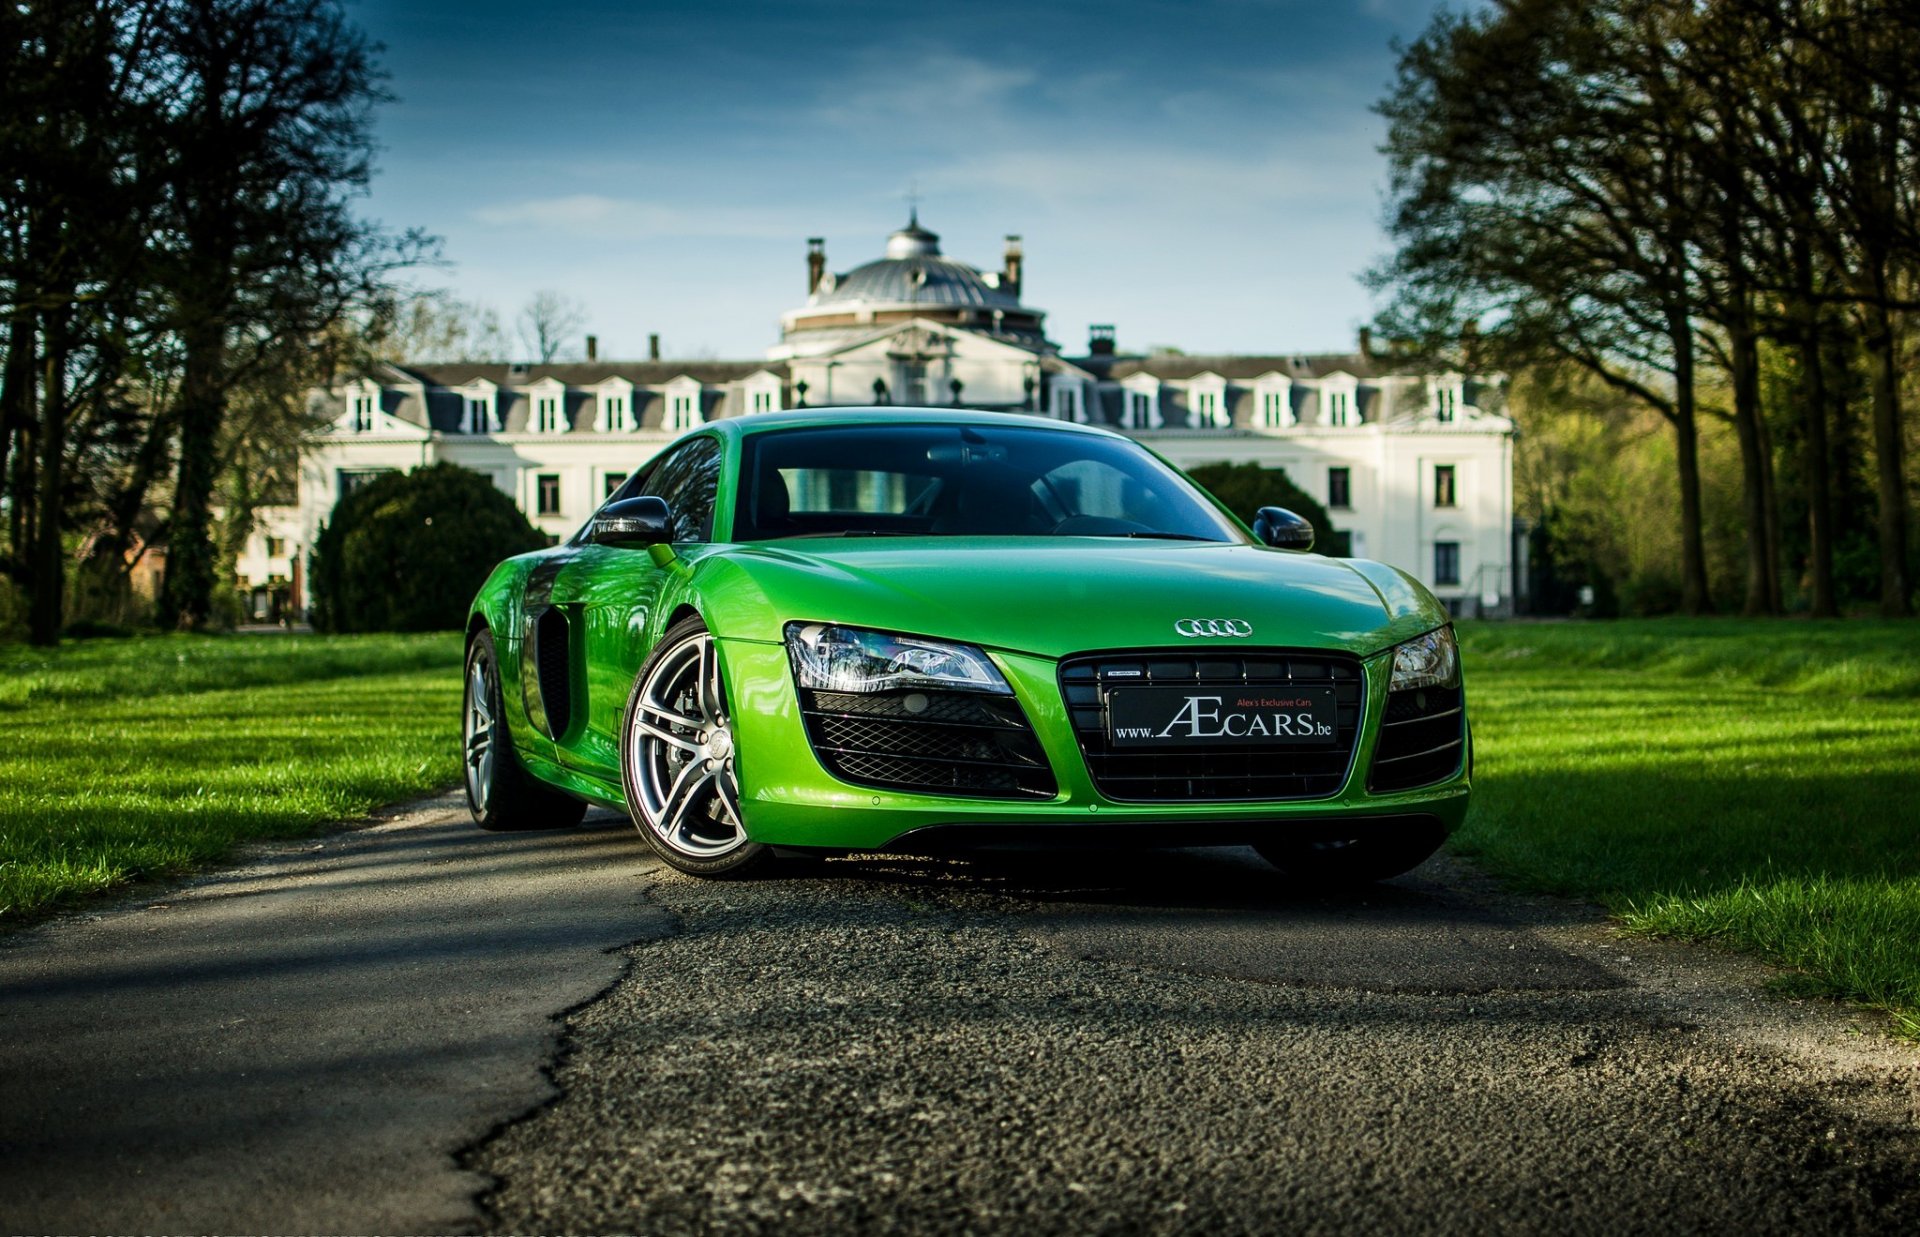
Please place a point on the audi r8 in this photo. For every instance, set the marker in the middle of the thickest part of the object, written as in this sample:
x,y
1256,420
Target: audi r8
x,y
861,630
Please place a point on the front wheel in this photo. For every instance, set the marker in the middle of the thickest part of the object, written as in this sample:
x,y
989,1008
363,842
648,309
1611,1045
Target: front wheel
x,y
679,762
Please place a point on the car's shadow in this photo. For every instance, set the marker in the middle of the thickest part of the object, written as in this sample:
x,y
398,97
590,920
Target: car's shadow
x,y
1224,911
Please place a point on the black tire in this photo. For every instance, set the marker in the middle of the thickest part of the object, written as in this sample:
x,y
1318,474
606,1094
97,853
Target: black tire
x,y
1369,851
677,760
501,794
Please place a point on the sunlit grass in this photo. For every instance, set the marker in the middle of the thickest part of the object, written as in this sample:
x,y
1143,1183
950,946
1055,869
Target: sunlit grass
x,y
1754,784
130,758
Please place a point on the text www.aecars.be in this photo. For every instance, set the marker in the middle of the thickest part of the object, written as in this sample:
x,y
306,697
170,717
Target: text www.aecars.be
x,y
1201,722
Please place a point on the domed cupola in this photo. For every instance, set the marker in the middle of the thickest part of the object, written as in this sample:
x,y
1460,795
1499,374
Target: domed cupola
x,y
913,241
913,281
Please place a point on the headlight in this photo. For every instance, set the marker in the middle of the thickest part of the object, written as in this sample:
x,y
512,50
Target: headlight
x,y
1432,660
849,659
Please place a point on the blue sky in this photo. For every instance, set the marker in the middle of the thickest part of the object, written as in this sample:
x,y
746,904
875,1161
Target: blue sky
x,y
1201,174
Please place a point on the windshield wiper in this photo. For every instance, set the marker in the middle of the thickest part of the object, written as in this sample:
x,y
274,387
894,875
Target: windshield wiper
x,y
1169,536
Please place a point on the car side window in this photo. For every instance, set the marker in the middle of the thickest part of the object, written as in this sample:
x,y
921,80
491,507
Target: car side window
x,y
689,481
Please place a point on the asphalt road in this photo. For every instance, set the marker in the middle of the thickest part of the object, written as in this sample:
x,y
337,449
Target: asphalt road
x,y
1180,1043
303,1043
366,1034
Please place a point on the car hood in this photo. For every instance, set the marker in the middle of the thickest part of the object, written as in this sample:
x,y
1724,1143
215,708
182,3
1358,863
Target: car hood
x,y
1056,596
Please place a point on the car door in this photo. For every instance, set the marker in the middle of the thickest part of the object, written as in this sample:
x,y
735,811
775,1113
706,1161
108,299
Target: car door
x,y
607,595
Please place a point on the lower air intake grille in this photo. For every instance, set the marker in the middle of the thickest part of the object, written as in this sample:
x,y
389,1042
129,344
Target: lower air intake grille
x,y
1233,774
952,743
1421,739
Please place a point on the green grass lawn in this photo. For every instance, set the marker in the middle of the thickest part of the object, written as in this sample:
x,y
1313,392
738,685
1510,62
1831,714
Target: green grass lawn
x,y
128,758
1754,784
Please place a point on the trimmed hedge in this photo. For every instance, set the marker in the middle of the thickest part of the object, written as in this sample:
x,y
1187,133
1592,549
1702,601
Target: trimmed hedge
x,y
1245,488
408,551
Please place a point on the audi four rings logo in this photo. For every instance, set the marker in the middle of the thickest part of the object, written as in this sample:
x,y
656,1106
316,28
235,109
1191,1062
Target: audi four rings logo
x,y
1193,629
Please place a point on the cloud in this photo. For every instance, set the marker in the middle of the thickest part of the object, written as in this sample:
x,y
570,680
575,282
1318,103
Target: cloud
x,y
943,88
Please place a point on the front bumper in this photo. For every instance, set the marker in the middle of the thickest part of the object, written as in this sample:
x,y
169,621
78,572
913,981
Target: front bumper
x,y
792,800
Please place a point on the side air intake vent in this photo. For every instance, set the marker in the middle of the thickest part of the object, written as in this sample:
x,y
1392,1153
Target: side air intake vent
x,y
555,670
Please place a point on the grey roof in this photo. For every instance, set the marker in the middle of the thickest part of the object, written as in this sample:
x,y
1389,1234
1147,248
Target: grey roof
x,y
589,373
922,280
1318,365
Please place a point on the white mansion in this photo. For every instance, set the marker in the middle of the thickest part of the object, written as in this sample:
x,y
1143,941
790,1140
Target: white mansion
x,y
1406,462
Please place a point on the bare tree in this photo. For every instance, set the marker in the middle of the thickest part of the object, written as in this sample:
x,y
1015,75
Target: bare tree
x,y
435,325
548,323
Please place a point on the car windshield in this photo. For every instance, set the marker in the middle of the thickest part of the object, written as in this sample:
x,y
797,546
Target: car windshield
x,y
866,480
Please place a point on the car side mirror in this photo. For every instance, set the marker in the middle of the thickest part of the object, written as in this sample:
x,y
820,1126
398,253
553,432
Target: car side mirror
x,y
1281,528
641,521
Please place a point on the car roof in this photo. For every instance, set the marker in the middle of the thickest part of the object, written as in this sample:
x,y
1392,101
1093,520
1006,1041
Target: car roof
x,y
812,418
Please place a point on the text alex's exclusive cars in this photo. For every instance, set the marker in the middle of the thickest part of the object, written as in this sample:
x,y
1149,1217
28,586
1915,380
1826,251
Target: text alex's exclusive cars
x,y
853,629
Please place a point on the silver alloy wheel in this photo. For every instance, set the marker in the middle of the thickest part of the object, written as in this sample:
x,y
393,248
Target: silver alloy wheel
x,y
479,736
681,750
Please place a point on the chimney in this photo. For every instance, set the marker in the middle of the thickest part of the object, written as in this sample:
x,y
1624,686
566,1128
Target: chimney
x,y
1366,343
593,347
653,347
1010,278
816,262
1100,339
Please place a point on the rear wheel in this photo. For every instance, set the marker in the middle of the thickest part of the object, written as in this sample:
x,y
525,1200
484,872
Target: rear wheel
x,y
501,794
1369,851
678,760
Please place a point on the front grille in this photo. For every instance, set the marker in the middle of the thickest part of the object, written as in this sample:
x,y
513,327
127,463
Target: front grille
x,y
1218,773
955,743
1421,739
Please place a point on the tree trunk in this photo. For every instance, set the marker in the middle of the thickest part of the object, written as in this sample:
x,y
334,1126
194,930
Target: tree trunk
x,y
1813,465
16,381
1896,589
47,607
1776,597
1754,489
1694,597
187,596
23,386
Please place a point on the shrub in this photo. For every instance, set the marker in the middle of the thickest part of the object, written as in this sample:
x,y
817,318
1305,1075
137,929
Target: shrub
x,y
407,551
1245,488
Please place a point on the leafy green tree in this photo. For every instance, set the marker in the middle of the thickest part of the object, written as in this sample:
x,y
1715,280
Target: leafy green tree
x,y
1245,488
408,551
271,138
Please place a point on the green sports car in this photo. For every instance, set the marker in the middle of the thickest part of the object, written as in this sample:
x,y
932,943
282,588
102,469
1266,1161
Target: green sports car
x,y
862,629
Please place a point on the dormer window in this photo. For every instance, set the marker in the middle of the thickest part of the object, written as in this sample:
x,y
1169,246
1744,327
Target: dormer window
x,y
547,407
1207,402
1446,391
1273,401
366,407
762,392
1339,400
1140,402
614,413
479,407
1065,399
683,405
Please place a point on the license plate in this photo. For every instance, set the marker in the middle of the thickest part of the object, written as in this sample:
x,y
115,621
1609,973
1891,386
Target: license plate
x,y
1225,716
